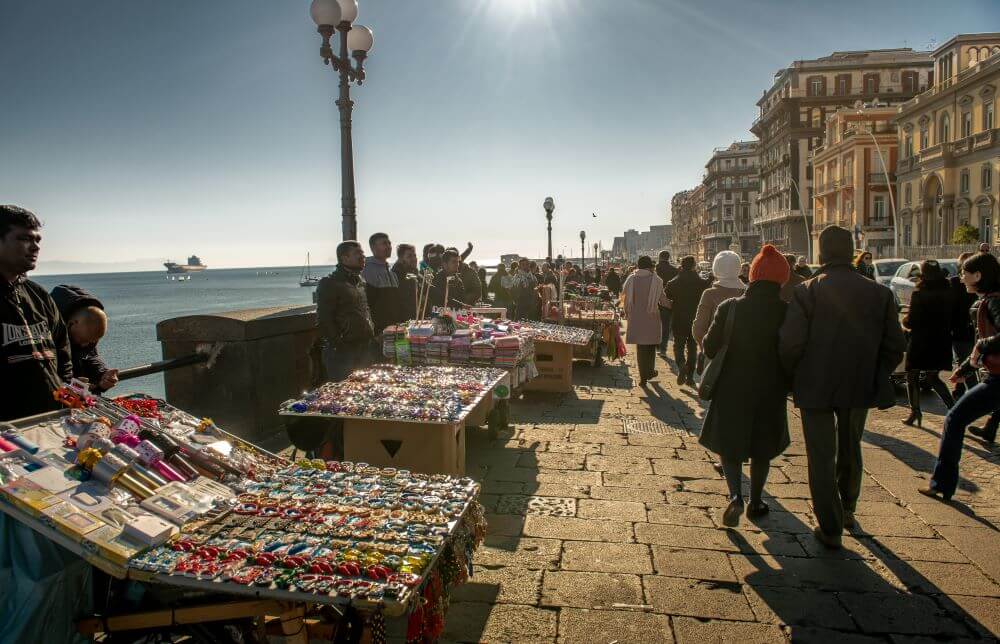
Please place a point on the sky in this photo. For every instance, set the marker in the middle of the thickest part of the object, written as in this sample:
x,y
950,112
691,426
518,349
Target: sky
x,y
144,130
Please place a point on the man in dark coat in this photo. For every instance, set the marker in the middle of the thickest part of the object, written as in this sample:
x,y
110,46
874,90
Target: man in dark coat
x,y
613,282
684,292
381,284
406,295
345,322
840,341
794,279
34,354
86,323
666,272
448,275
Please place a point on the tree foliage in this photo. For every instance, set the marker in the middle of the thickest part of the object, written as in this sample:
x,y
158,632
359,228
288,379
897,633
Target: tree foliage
x,y
965,234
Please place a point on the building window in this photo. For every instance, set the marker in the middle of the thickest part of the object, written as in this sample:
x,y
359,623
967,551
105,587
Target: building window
x,y
817,118
729,196
924,139
871,85
945,131
966,124
985,225
908,194
988,116
963,182
842,86
987,179
907,146
878,209
729,163
743,162
816,87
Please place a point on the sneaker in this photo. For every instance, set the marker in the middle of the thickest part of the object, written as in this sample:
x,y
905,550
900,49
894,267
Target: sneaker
x,y
829,542
731,517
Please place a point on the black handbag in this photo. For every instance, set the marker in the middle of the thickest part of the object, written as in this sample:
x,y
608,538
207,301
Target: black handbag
x,y
710,378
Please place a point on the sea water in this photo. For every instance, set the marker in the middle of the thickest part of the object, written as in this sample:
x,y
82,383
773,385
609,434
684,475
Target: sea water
x,y
135,302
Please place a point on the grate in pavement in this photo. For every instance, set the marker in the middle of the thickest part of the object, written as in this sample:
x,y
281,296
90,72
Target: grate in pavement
x,y
644,426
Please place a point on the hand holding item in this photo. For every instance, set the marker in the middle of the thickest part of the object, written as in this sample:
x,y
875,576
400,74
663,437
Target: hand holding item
x,y
956,377
108,379
976,358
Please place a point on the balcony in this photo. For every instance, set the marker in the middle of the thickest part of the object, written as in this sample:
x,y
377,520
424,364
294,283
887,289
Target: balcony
x,y
905,165
826,188
985,139
933,153
880,179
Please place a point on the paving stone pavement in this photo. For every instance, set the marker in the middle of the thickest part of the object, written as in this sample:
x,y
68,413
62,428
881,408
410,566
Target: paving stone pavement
x,y
598,535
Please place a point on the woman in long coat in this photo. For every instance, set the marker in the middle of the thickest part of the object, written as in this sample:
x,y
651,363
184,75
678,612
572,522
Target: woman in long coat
x,y
929,322
747,418
643,292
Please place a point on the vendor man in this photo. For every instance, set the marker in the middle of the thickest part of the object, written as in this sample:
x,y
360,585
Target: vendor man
x,y
86,323
34,347
343,316
381,284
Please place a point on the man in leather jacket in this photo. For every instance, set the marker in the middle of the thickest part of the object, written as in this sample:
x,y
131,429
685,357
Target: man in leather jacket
x,y
343,316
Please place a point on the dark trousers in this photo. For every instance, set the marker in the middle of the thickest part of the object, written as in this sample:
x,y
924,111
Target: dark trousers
x,y
682,345
645,355
665,317
833,449
733,469
934,380
340,361
977,402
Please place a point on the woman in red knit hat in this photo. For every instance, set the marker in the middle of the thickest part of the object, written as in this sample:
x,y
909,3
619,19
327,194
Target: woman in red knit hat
x,y
747,418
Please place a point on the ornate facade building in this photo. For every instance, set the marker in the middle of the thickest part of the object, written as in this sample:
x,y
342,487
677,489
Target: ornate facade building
x,y
949,145
731,184
687,215
853,184
792,118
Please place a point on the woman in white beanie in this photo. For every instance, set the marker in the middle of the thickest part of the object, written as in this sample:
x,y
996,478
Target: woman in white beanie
x,y
726,268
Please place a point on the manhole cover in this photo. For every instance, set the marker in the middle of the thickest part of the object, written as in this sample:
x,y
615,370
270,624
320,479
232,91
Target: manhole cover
x,y
644,427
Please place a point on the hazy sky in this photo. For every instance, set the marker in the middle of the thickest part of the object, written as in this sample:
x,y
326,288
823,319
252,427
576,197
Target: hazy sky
x,y
142,129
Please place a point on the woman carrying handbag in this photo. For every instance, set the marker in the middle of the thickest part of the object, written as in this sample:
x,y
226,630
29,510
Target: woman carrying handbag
x,y
981,275
747,417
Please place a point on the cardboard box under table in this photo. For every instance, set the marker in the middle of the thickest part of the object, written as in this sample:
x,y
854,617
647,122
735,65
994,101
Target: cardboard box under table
x,y
554,361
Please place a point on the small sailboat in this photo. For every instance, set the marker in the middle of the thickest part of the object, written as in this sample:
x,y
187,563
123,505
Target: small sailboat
x,y
307,278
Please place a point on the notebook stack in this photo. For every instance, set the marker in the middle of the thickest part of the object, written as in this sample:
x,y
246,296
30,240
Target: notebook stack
x,y
507,350
419,335
481,353
461,346
437,349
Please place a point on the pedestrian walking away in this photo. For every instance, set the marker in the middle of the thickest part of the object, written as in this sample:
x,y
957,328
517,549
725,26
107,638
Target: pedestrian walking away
x,y
643,291
794,279
666,272
840,342
928,352
684,292
725,266
981,274
747,418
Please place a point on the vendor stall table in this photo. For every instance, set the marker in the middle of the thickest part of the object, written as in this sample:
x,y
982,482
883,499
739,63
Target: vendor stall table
x,y
604,322
554,347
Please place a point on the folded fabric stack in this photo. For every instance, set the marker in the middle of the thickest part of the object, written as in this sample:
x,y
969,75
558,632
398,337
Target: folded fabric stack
x,y
461,346
481,352
507,350
419,334
437,349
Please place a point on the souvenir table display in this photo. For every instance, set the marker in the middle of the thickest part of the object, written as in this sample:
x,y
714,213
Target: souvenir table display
x,y
554,333
407,417
603,319
143,490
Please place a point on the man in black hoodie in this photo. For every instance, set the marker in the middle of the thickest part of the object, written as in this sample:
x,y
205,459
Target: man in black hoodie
x,y
34,347
684,292
666,272
342,313
86,323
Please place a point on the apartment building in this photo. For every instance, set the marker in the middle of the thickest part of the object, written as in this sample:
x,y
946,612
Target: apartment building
x,y
853,177
731,185
949,145
688,218
792,118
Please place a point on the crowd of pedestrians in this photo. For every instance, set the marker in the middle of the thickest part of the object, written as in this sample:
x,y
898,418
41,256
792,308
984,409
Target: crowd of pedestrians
x,y
831,341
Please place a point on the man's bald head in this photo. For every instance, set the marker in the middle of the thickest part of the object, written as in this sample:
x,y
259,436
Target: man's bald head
x,y
87,325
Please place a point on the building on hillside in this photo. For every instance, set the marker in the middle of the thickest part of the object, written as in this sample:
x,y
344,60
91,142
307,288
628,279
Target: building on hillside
x,y
791,120
731,185
853,178
949,145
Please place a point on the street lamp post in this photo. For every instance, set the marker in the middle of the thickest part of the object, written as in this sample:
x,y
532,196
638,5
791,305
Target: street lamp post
x,y
595,255
338,15
583,254
549,205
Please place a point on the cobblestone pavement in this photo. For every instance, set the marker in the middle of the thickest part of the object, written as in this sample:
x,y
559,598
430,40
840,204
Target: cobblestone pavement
x,y
598,534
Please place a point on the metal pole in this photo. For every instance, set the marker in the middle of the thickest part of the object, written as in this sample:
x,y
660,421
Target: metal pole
x,y
805,220
892,200
548,216
162,365
348,203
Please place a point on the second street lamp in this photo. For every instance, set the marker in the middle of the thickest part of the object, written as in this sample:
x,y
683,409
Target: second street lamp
x,y
583,254
338,15
549,205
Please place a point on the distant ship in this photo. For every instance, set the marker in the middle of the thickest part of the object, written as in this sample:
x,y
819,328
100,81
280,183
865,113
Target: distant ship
x,y
308,279
193,266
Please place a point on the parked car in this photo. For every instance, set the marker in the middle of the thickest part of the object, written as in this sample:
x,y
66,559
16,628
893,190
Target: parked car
x,y
885,269
905,279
